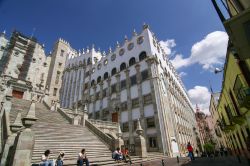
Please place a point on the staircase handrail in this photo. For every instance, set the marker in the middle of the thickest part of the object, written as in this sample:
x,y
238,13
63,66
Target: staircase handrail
x,y
46,104
104,123
108,140
64,114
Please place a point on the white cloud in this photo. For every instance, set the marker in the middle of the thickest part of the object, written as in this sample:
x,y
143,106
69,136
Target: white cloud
x,y
179,61
182,74
168,45
200,95
208,52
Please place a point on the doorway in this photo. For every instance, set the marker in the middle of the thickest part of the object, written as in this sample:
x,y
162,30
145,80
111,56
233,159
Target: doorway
x,y
17,94
115,117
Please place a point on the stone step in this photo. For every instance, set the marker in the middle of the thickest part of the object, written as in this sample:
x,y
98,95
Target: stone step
x,y
103,148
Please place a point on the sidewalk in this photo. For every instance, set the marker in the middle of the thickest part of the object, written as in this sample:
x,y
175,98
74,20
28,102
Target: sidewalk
x,y
218,161
167,162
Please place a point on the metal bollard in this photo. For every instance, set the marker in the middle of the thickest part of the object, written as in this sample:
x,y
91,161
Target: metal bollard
x,y
162,162
178,160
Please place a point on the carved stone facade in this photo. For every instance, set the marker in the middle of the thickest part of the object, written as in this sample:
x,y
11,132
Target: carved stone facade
x,y
24,65
135,81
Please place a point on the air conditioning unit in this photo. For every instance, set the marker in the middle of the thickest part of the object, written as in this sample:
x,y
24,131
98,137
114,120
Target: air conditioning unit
x,y
238,29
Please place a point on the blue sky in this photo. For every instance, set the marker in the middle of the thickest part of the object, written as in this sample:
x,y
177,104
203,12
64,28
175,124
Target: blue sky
x,y
103,22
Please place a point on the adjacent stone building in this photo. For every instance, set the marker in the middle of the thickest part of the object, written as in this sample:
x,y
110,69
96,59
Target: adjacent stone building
x,y
134,81
24,65
216,132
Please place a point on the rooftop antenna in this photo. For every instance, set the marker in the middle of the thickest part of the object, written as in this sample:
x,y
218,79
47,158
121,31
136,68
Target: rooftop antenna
x,y
33,32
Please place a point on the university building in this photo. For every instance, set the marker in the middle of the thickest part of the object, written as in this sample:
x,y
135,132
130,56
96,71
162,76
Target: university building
x,y
134,81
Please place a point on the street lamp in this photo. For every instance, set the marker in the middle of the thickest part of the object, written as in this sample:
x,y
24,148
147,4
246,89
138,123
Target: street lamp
x,y
218,70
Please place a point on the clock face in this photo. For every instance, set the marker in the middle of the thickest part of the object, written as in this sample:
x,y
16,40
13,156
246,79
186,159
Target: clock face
x,y
140,40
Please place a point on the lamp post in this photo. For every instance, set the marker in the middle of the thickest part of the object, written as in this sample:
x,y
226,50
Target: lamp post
x,y
218,70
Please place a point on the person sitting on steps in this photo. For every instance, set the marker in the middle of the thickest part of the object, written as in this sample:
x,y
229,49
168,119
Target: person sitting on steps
x,y
45,159
59,161
126,156
117,155
82,158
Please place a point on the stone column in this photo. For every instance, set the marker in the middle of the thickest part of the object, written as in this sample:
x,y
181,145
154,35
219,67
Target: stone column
x,y
109,98
129,106
140,143
141,104
94,102
15,128
119,141
150,62
118,96
26,140
101,100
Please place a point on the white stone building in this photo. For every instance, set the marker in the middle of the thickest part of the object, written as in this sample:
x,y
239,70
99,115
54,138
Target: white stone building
x,y
135,81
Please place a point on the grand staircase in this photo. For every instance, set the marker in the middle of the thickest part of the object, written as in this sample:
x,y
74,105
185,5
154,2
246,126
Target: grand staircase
x,y
54,132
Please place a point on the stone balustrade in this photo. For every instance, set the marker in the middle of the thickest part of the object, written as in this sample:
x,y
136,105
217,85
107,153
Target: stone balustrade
x,y
105,124
108,140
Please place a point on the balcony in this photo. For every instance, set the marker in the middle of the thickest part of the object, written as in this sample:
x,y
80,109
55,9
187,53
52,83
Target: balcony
x,y
238,119
244,99
226,127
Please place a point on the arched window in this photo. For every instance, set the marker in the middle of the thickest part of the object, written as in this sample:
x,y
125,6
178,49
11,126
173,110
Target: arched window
x,y
88,61
142,55
92,82
132,61
106,75
123,66
113,72
99,79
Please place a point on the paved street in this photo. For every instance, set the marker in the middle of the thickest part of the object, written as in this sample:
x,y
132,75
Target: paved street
x,y
220,161
167,162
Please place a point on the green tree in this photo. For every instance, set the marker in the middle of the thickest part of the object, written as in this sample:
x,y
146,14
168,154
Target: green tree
x,y
208,147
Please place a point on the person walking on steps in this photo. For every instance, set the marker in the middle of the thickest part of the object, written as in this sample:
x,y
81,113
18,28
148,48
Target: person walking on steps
x,y
82,158
190,151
